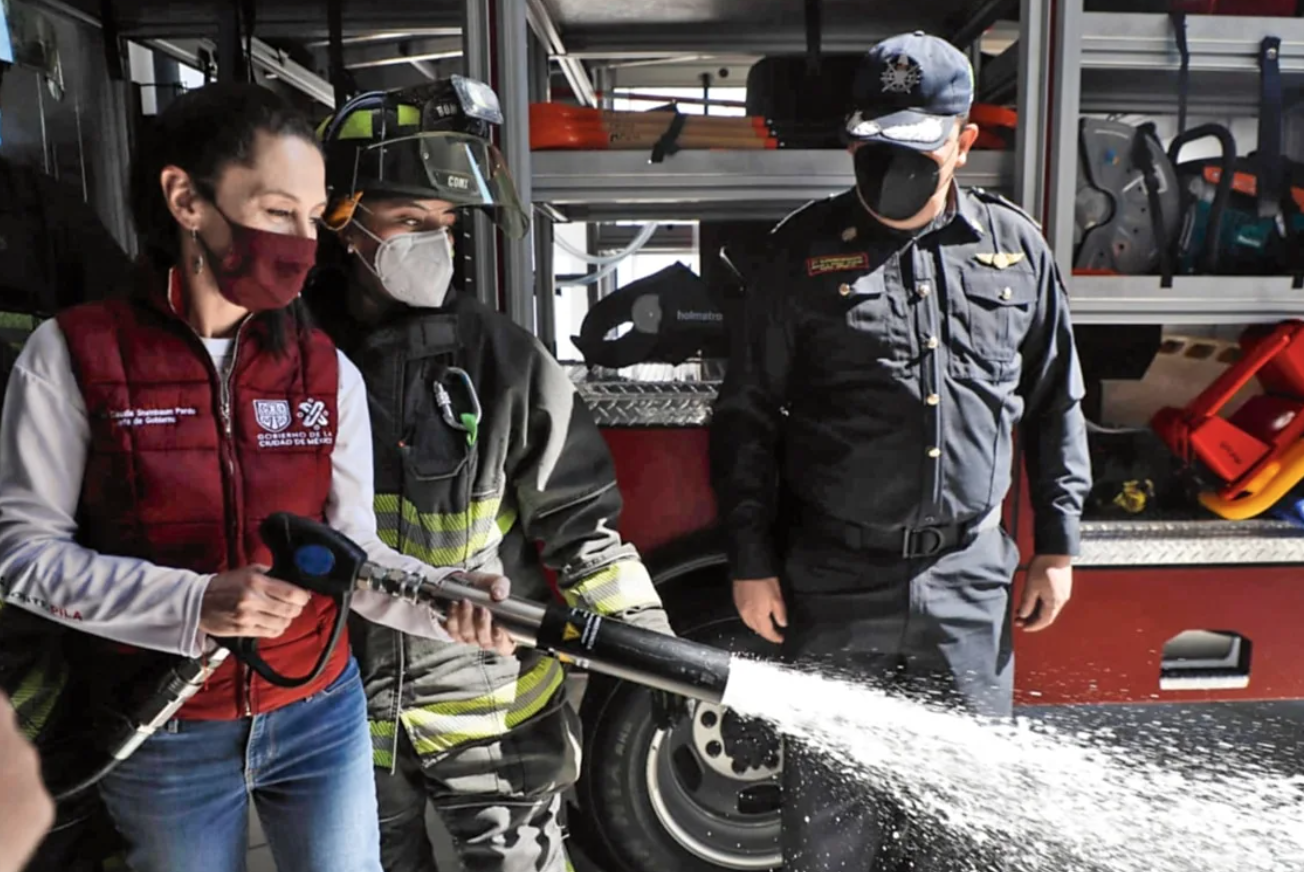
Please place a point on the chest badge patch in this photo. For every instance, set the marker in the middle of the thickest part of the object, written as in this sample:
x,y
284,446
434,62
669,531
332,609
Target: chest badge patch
x,y
999,259
314,414
272,415
831,263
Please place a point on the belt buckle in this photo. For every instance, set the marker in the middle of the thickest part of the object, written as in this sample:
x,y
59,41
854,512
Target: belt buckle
x,y
909,541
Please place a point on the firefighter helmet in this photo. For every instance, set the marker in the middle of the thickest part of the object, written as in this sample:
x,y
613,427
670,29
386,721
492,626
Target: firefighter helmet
x,y
430,141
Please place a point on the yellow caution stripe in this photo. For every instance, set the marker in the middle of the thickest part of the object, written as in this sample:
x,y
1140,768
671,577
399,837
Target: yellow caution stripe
x,y
613,589
445,725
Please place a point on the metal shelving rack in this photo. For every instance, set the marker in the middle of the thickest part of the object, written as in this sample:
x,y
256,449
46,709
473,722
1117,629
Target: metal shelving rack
x,y
1128,62
612,185
1105,63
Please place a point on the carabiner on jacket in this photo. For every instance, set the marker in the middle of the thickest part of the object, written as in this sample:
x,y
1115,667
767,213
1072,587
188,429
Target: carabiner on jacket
x,y
469,421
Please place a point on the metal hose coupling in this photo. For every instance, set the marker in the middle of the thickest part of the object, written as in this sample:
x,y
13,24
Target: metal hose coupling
x,y
398,583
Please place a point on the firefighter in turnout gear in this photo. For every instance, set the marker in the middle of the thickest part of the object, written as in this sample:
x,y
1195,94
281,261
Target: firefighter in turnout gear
x,y
482,450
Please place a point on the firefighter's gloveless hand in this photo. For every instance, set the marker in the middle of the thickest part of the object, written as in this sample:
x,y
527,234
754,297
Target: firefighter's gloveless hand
x,y
248,602
474,625
760,604
1049,587
26,810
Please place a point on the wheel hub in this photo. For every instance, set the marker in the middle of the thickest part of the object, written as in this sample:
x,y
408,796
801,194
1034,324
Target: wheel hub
x,y
707,795
735,747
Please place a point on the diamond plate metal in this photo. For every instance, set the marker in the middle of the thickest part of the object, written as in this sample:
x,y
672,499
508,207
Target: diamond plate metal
x,y
649,395
649,404
1189,543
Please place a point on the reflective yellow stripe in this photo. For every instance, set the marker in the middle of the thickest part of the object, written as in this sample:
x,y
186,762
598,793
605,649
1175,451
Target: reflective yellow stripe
x,y
382,743
438,538
444,725
36,695
361,124
15,327
614,589
18,321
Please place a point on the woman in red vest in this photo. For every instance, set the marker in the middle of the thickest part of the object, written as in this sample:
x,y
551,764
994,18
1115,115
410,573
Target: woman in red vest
x,y
144,439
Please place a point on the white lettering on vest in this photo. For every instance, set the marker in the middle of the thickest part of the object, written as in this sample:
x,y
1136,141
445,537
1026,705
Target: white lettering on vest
x,y
151,417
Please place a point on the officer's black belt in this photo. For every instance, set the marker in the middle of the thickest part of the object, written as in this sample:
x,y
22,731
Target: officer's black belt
x,y
903,542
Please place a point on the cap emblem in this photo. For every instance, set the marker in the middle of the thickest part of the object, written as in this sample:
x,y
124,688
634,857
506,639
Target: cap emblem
x,y
902,75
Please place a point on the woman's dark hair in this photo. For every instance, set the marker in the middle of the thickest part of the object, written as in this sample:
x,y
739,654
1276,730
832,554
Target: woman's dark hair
x,y
204,132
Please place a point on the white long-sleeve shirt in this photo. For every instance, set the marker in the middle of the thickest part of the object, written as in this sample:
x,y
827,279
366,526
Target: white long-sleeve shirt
x,y
44,438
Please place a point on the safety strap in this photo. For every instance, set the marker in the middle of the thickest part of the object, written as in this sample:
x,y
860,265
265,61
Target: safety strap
x,y
1272,169
248,13
1144,159
112,43
340,79
814,30
1184,71
668,144
1289,212
228,43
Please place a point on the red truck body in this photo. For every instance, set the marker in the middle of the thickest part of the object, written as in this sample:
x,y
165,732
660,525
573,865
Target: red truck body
x,y
1107,645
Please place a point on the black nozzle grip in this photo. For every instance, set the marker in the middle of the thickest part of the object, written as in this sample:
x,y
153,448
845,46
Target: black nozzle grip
x,y
310,555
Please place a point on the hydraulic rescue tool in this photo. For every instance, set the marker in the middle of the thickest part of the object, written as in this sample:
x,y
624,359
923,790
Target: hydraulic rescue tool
x,y
317,558
1255,455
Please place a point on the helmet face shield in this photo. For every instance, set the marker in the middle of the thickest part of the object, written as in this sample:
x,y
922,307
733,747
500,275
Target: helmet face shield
x,y
467,171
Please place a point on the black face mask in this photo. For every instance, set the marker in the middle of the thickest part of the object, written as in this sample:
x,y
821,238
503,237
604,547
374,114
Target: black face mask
x,y
895,183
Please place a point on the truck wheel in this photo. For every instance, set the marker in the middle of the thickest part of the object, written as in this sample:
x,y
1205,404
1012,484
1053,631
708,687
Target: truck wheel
x,y
674,799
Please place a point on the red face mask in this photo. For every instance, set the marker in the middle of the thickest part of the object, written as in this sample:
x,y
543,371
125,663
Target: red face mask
x,y
263,271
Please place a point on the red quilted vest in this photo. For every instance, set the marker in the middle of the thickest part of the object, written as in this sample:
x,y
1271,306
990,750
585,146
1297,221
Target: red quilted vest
x,y
172,477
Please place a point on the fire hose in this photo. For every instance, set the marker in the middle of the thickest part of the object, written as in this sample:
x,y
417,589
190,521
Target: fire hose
x,y
319,559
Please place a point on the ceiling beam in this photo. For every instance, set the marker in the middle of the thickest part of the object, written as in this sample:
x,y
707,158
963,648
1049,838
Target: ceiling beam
x,y
572,67
270,60
390,36
365,55
277,19
685,39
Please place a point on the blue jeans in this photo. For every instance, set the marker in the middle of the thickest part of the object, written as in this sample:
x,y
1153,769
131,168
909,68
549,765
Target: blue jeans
x,y
182,800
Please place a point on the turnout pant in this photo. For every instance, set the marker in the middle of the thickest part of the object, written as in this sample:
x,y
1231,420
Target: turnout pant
x,y
82,840
501,801
933,626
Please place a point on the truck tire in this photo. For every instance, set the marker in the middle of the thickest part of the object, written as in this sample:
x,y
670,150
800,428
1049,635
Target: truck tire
x,y
653,799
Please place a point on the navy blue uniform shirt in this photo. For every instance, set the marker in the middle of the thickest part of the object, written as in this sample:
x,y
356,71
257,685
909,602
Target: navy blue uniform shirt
x,y
878,377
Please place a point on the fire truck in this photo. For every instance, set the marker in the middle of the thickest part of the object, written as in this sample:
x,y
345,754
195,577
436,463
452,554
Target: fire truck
x,y
1151,139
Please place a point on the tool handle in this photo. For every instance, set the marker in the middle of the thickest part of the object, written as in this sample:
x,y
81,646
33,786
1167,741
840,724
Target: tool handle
x,y
314,557
311,555
596,642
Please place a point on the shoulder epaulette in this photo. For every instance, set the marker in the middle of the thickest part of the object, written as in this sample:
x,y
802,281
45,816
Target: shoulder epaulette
x,y
993,197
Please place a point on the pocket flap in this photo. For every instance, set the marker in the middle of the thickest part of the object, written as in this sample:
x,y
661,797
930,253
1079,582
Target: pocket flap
x,y
868,285
1003,288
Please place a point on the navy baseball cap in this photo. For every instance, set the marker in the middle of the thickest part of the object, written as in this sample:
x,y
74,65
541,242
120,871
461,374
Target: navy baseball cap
x,y
908,91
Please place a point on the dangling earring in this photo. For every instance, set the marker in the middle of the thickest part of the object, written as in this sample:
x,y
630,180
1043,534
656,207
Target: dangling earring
x,y
199,257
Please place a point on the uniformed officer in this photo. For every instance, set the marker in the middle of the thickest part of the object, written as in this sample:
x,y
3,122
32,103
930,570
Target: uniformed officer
x,y
894,338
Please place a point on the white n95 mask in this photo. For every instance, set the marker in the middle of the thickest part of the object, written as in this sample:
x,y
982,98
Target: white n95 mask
x,y
415,269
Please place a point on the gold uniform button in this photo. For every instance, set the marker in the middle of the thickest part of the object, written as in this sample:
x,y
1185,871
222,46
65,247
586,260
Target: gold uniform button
x,y
1006,293
844,290
933,399
925,289
932,342
934,453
